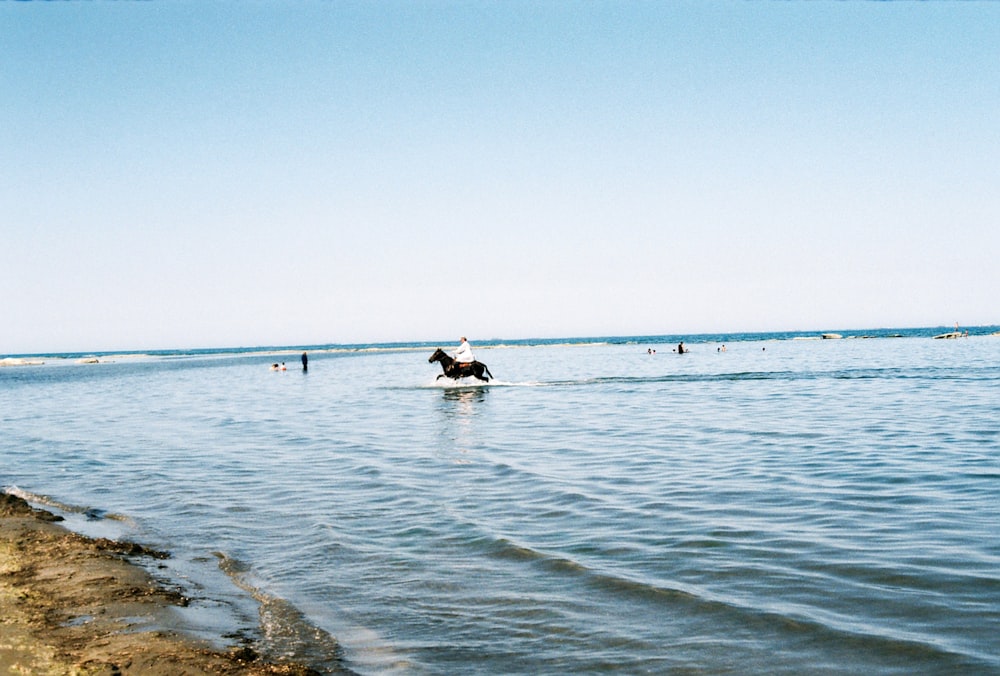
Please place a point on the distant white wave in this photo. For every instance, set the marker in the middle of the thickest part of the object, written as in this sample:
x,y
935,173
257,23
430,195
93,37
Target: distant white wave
x,y
21,361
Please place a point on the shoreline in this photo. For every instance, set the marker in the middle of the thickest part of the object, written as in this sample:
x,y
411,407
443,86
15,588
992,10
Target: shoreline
x,y
70,604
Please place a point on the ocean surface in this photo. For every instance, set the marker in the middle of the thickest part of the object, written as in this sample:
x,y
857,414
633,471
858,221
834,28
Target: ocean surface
x,y
786,505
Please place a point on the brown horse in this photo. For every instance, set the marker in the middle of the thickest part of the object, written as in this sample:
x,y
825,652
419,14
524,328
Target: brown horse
x,y
454,369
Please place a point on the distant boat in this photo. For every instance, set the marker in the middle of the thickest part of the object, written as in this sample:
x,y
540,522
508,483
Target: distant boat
x,y
951,334
831,336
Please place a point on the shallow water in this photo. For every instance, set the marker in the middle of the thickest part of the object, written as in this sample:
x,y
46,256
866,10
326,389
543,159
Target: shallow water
x,y
784,506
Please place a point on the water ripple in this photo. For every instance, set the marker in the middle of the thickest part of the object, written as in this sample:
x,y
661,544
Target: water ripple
x,y
815,507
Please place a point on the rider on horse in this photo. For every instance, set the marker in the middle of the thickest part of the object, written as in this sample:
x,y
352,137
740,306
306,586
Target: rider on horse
x,y
462,365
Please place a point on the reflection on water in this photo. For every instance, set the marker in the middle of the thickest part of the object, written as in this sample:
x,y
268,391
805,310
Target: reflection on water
x,y
465,397
459,407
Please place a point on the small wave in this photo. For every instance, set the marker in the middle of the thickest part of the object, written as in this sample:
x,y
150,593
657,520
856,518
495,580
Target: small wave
x,y
505,549
673,378
287,634
803,623
91,513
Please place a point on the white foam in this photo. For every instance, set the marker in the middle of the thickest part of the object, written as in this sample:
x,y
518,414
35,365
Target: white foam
x,y
19,361
366,648
473,383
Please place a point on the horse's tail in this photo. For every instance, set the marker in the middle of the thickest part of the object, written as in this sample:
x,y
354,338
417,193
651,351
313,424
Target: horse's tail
x,y
487,369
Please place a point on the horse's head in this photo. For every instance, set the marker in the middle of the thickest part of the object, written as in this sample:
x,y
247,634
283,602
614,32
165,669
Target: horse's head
x,y
438,355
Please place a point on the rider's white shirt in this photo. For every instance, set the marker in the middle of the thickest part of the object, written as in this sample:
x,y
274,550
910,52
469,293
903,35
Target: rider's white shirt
x,y
464,353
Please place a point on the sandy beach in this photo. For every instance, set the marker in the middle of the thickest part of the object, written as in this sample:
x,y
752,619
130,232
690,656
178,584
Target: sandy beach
x,y
76,605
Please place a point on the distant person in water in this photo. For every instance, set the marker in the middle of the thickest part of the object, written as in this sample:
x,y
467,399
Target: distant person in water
x,y
464,352
680,348
305,362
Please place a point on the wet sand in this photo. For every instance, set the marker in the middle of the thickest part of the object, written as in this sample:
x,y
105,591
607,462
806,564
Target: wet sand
x,y
76,605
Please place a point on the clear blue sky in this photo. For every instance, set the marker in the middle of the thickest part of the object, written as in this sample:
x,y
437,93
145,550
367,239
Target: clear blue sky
x,y
200,174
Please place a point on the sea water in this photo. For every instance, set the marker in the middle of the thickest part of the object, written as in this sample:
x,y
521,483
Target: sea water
x,y
783,506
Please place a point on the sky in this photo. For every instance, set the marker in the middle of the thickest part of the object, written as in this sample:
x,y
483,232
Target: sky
x,y
192,174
